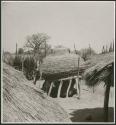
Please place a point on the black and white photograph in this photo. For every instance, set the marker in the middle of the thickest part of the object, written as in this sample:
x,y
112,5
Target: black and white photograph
x,y
57,62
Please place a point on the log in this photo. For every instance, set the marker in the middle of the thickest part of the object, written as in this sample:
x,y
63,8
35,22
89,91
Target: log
x,y
50,89
69,87
106,101
59,89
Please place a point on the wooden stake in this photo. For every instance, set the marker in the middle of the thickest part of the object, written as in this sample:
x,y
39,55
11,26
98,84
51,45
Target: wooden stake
x,y
68,87
78,88
77,81
22,64
50,89
59,89
106,101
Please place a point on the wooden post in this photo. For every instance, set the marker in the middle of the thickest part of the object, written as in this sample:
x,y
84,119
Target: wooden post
x,y
59,89
78,88
77,81
68,87
45,49
106,101
16,48
50,89
22,64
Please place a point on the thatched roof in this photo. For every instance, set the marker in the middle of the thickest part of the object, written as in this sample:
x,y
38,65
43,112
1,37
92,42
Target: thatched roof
x,y
24,103
100,68
55,67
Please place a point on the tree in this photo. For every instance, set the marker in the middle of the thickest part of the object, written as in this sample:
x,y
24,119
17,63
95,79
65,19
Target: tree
x,y
113,46
76,51
103,50
69,50
86,53
110,48
29,67
17,62
20,51
8,58
106,49
38,43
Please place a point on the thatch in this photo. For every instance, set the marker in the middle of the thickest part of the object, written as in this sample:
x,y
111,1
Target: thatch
x,y
94,59
59,66
100,68
24,103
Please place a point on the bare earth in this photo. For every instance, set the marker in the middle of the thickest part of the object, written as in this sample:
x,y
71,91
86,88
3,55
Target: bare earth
x,y
89,108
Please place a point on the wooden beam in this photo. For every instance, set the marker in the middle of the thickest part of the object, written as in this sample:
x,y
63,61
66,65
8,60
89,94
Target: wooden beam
x,y
69,87
68,78
59,89
50,89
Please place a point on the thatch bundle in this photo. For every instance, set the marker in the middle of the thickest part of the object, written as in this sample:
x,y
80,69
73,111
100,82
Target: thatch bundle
x,y
25,103
55,67
100,68
98,58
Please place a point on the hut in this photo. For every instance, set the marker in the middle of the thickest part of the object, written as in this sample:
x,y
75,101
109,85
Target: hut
x,y
59,50
62,70
24,103
101,68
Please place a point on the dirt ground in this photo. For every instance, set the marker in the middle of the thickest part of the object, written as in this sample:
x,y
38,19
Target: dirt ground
x,y
89,108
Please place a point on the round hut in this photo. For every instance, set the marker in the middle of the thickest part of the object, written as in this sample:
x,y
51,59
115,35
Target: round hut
x,y
101,68
61,73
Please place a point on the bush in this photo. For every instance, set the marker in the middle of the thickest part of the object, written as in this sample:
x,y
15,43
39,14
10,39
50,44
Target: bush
x,y
20,51
29,67
17,62
8,58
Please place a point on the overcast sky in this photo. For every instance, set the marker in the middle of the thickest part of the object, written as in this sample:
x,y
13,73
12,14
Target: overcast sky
x,y
82,23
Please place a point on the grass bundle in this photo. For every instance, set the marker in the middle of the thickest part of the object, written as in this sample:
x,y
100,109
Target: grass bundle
x,y
101,68
55,67
26,104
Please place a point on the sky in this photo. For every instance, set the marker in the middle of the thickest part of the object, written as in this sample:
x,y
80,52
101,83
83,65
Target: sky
x,y
67,23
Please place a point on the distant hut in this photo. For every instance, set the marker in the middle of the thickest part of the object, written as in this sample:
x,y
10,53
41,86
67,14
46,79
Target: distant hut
x,y
101,68
59,50
61,70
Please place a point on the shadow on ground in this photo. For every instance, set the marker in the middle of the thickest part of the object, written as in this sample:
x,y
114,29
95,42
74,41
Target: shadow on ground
x,y
91,115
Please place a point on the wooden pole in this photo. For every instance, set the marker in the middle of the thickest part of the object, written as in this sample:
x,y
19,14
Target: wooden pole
x,y
77,82
50,89
72,77
22,63
16,48
69,87
59,89
45,49
106,101
78,88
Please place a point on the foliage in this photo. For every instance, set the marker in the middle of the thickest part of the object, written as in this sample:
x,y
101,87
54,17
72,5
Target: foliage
x,y
17,62
29,67
20,51
106,49
85,53
38,44
8,58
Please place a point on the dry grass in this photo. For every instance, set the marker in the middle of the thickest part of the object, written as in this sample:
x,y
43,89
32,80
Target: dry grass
x,y
89,104
61,65
100,68
24,103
